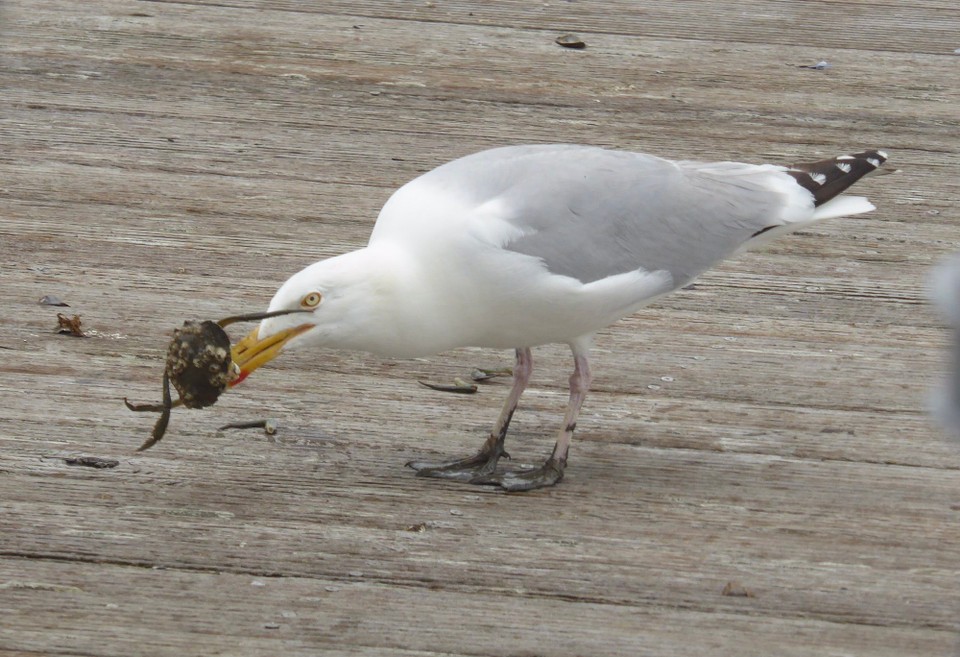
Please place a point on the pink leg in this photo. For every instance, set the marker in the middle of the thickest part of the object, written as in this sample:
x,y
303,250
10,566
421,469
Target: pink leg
x,y
485,461
521,377
551,472
580,382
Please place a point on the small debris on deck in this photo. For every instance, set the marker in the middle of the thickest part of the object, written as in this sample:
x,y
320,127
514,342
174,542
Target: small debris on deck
x,y
571,41
69,326
91,461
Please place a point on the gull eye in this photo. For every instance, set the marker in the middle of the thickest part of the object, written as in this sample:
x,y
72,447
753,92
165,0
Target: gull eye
x,y
312,300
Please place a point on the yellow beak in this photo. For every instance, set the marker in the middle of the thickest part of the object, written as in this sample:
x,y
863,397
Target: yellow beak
x,y
252,352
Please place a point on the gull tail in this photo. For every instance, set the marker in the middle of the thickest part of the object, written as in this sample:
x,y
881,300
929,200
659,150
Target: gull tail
x,y
827,179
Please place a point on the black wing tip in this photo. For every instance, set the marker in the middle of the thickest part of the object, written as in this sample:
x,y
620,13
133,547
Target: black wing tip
x,y
827,179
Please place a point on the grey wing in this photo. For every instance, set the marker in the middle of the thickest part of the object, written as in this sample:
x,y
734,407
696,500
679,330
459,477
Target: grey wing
x,y
590,213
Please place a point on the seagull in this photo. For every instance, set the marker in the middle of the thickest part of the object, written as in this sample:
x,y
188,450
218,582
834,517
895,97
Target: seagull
x,y
521,246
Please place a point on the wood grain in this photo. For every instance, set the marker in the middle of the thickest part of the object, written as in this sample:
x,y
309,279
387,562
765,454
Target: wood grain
x,y
170,160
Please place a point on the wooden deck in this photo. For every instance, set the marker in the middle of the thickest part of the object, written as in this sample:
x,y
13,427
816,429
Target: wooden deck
x,y
169,160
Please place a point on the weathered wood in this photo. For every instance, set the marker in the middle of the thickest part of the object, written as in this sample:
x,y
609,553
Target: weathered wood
x,y
170,160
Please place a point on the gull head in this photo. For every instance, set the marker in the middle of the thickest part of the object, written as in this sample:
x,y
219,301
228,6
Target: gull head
x,y
326,302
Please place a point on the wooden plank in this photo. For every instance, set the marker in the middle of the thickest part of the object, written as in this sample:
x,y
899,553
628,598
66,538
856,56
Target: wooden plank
x,y
172,160
326,521
307,616
894,26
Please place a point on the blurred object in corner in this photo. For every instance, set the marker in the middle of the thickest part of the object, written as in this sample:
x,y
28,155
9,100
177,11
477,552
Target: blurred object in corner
x,y
945,293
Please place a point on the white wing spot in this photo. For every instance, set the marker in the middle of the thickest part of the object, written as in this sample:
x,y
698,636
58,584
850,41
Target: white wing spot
x,y
875,163
882,154
843,166
846,157
818,178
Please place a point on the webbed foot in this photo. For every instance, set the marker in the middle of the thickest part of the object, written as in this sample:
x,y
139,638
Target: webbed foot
x,y
549,474
481,464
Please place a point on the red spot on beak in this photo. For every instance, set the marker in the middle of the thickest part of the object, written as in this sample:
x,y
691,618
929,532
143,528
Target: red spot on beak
x,y
243,375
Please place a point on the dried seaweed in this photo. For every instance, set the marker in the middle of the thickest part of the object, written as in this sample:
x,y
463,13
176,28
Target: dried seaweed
x,y
92,462
69,325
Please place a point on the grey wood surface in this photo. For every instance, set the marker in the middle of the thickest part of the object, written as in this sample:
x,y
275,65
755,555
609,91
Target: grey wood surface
x,y
161,161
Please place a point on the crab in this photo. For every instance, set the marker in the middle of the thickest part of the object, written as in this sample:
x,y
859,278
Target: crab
x,y
199,366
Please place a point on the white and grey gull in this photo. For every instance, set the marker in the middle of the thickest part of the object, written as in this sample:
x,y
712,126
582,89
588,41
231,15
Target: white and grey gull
x,y
522,246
